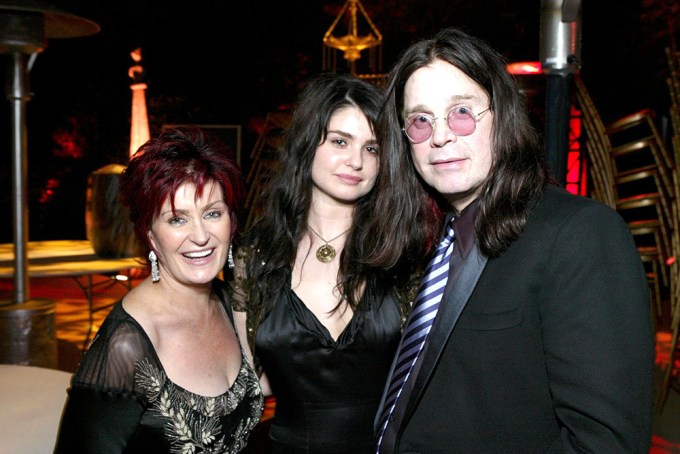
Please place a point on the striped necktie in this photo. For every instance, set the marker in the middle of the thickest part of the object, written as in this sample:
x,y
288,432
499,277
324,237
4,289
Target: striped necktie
x,y
420,322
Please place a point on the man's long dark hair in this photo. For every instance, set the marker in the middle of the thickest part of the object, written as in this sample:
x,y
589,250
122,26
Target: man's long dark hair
x,y
519,171
271,243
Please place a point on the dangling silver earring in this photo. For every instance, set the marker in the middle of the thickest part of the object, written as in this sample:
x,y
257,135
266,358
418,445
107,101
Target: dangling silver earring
x,y
230,258
155,273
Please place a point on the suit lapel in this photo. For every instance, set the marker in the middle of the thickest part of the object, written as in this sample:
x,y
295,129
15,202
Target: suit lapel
x,y
465,274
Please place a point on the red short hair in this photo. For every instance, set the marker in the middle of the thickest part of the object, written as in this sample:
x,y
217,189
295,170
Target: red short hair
x,y
163,164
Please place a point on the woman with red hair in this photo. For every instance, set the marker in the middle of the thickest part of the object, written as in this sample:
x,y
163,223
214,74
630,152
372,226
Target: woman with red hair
x,y
166,373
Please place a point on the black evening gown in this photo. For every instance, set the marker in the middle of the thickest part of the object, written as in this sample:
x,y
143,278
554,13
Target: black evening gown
x,y
327,391
121,400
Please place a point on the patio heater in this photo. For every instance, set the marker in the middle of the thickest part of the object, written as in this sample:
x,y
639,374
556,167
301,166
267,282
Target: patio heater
x,y
27,333
560,54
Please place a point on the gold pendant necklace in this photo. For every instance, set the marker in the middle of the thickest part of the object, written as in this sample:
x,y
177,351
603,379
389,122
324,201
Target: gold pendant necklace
x,y
326,253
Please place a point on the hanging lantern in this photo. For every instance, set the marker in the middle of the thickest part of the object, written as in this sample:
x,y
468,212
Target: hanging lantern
x,y
352,43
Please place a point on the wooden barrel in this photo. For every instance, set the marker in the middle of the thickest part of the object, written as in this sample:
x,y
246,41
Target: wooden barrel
x,y
107,221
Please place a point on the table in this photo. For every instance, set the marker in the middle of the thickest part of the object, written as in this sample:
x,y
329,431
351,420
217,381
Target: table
x,y
67,258
32,402
62,258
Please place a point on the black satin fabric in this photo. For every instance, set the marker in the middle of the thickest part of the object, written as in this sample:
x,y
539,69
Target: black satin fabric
x,y
327,392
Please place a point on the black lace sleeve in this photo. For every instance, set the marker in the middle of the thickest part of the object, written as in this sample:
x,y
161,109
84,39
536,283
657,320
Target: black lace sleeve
x,y
238,287
96,421
239,293
109,363
104,406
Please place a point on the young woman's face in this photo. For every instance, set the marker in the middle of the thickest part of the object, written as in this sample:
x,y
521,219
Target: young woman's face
x,y
345,165
192,243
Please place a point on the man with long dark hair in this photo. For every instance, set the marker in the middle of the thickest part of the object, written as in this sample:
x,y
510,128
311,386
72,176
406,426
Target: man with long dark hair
x,y
531,331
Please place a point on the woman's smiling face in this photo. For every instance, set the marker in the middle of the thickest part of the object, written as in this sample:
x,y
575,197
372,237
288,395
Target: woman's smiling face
x,y
192,242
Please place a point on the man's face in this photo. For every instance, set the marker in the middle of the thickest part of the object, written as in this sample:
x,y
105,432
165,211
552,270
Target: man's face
x,y
457,166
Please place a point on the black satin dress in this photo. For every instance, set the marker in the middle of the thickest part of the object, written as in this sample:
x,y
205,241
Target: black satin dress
x,y
327,392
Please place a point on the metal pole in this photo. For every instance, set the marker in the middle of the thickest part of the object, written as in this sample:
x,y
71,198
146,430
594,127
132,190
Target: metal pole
x,y
560,58
557,111
19,95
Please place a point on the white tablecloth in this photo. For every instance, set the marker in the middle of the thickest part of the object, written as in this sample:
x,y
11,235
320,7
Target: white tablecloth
x,y
31,403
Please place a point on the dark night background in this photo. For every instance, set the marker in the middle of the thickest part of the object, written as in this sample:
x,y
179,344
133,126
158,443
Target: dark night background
x,y
223,62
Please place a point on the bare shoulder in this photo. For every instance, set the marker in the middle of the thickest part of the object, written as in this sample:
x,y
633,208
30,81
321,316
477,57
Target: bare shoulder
x,y
139,304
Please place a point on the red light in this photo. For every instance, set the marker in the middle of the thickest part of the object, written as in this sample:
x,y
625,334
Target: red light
x,y
525,67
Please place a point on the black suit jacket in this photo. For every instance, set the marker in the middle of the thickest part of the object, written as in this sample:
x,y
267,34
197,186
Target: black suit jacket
x,y
553,350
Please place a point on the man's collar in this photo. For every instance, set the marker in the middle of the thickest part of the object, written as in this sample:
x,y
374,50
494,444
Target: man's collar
x,y
464,226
